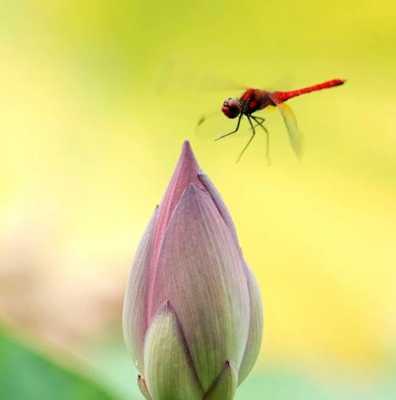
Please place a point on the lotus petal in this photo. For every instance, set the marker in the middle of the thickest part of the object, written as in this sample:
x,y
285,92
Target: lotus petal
x,y
135,296
186,172
253,345
218,201
201,272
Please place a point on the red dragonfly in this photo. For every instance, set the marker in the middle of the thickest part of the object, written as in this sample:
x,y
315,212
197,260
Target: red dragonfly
x,y
253,100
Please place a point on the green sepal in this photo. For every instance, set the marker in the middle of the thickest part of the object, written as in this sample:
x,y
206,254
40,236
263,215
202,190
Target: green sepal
x,y
143,387
224,386
169,372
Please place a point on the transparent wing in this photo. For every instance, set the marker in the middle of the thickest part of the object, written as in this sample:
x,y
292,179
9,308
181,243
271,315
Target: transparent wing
x,y
216,83
204,117
295,136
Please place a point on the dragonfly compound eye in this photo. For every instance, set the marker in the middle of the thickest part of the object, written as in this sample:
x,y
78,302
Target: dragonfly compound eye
x,y
231,107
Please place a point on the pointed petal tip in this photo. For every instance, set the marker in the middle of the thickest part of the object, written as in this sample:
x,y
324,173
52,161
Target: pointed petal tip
x,y
187,155
187,145
165,307
187,149
186,172
224,385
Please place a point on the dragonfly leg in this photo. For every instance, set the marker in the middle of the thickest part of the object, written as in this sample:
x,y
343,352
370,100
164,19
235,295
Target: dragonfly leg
x,y
259,121
232,132
250,139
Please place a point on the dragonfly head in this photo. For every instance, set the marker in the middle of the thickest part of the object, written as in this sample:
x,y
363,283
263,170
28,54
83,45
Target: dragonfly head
x,y
232,107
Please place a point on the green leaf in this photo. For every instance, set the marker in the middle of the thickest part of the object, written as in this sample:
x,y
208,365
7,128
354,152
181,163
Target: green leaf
x,y
27,375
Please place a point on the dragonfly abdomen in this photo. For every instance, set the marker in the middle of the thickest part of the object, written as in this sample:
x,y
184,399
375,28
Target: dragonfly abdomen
x,y
283,96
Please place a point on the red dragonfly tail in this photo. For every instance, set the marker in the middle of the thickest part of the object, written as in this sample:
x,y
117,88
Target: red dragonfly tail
x,y
283,96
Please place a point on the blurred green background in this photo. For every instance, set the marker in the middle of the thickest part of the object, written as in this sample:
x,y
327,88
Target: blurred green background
x,y
96,98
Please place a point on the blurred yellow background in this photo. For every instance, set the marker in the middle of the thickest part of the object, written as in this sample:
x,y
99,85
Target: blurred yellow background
x,y
96,98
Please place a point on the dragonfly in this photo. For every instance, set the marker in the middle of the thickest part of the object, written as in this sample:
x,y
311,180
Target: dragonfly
x,y
253,100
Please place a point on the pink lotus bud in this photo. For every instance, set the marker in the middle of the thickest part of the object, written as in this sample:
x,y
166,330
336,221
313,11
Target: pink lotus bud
x,y
192,311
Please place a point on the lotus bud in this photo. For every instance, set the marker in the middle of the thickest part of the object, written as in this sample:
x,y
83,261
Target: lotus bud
x,y
192,314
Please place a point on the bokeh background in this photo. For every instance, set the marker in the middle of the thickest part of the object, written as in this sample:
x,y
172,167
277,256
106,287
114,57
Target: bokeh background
x,y
96,98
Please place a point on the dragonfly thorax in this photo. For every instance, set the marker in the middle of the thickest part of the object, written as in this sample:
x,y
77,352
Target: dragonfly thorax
x,y
232,107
